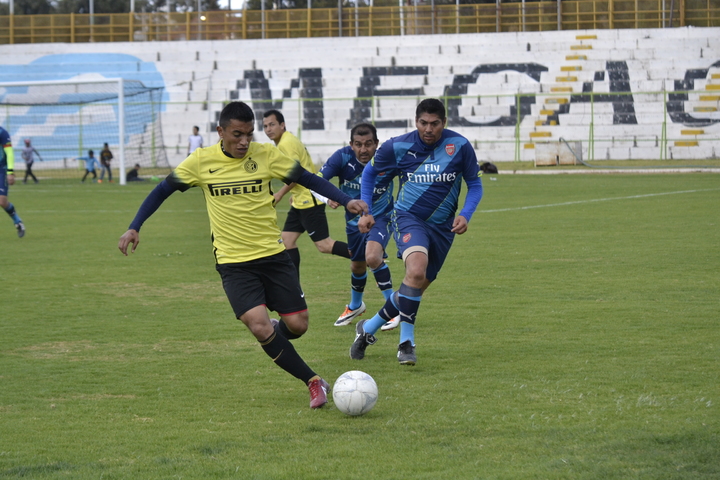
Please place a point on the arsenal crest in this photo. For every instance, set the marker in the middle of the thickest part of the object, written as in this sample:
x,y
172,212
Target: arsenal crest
x,y
406,238
450,149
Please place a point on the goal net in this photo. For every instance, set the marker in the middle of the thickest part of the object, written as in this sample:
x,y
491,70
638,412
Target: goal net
x,y
66,119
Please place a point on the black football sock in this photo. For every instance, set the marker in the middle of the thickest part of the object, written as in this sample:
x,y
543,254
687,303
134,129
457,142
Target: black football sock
x,y
340,249
286,357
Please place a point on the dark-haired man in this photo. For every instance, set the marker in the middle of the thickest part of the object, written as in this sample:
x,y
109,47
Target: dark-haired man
x,y
431,163
257,273
366,249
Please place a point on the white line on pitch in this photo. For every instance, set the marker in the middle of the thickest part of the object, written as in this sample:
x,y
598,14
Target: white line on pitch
x,y
597,200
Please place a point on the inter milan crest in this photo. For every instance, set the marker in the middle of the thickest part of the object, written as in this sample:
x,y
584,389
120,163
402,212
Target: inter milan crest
x,y
450,149
251,166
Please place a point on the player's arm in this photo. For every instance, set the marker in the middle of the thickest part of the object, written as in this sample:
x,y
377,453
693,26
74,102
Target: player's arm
x,y
327,189
475,192
151,203
367,188
328,171
283,191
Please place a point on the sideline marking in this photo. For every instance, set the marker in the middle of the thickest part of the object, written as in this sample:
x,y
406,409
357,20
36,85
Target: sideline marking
x,y
577,202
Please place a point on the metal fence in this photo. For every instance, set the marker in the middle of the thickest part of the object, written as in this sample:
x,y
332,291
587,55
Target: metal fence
x,y
360,21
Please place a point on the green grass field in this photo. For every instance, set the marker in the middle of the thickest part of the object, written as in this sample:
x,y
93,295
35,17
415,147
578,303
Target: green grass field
x,y
572,334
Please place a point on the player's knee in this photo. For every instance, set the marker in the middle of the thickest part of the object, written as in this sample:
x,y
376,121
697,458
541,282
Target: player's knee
x,y
297,324
374,261
325,246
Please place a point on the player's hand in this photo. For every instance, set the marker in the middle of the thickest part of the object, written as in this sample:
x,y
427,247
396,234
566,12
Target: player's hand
x,y
365,223
358,207
332,204
10,178
459,225
129,237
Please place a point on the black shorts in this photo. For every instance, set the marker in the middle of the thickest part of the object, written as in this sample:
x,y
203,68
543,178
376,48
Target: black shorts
x,y
311,220
271,281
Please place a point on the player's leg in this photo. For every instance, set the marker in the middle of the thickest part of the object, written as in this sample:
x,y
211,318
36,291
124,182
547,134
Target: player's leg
x,y
8,206
375,252
358,278
315,223
285,296
420,272
291,231
247,288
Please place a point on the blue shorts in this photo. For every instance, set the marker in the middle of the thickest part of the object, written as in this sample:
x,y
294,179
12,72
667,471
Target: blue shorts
x,y
411,232
4,187
380,233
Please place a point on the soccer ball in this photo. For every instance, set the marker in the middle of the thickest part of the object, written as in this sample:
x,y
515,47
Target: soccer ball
x,y
355,393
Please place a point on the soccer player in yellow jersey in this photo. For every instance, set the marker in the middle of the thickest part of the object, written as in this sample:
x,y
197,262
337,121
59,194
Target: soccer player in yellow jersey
x,y
256,271
307,213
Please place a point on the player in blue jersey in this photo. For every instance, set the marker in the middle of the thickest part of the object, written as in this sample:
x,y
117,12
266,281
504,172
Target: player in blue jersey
x,y
366,249
431,163
7,178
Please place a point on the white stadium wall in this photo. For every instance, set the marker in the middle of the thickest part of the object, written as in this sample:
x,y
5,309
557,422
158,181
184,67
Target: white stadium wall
x,y
615,94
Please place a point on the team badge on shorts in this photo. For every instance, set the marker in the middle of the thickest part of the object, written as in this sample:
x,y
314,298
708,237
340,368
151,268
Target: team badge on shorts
x,y
450,149
406,238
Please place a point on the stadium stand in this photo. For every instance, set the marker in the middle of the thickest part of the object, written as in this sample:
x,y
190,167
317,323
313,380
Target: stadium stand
x,y
646,94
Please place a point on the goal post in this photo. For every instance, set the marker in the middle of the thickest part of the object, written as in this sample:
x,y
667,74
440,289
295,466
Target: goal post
x,y
67,118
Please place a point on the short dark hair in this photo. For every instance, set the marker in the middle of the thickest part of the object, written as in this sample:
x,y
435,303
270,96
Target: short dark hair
x,y
239,111
433,106
363,129
278,115
91,153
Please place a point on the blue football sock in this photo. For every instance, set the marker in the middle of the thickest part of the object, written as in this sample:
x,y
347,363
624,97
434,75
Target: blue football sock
x,y
407,332
13,214
386,313
374,324
383,280
358,288
408,302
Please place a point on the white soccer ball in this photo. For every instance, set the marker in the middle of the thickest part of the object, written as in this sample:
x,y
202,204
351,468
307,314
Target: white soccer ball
x,y
355,393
